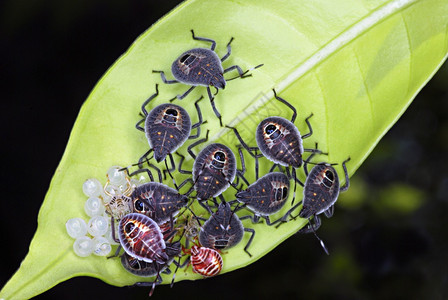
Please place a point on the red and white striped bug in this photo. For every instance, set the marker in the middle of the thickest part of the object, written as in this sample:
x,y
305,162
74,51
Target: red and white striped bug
x,y
205,261
142,238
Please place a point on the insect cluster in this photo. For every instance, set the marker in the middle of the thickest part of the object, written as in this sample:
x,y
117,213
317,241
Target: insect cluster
x,y
190,223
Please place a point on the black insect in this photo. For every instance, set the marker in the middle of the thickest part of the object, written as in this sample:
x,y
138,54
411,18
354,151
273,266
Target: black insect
x,y
167,127
224,229
321,192
280,141
158,201
145,269
202,67
214,170
266,196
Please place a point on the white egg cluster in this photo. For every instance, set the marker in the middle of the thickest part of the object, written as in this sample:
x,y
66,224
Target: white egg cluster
x,y
112,199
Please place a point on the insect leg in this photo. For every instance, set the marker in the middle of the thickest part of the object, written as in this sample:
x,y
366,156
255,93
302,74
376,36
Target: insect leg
x,y
286,215
240,139
329,212
179,168
197,143
145,112
162,75
309,127
241,172
204,40
198,124
250,240
255,219
144,170
229,50
241,74
311,227
294,115
169,170
180,97
144,157
347,180
212,102
138,125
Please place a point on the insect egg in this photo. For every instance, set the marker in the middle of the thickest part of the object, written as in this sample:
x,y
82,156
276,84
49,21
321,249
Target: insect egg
x,y
102,246
108,234
92,187
83,246
76,227
115,176
98,225
94,207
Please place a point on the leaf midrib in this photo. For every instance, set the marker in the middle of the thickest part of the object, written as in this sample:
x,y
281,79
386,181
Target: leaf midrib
x,y
345,37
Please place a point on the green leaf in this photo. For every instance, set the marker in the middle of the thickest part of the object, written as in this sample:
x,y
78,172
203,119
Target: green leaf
x,y
356,65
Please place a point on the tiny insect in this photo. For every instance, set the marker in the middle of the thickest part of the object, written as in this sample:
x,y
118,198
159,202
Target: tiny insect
x,y
202,67
167,127
214,170
205,261
280,141
145,269
158,201
120,203
141,238
191,228
266,196
224,230
321,192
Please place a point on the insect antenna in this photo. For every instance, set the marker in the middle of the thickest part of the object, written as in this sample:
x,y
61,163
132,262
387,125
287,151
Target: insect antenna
x,y
158,278
318,238
243,74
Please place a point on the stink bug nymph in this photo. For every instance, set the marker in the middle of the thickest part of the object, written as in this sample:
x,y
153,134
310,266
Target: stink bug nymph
x,y
202,67
280,141
158,201
120,203
167,127
266,196
141,238
321,191
214,170
205,261
224,230
145,269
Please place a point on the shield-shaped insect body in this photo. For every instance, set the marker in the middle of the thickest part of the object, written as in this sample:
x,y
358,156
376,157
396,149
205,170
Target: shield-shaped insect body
x,y
214,170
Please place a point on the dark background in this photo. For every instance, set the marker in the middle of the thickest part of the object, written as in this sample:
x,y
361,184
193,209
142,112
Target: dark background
x,y
388,235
